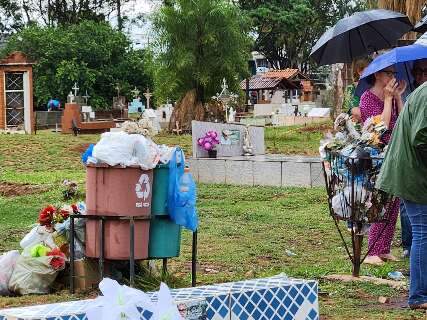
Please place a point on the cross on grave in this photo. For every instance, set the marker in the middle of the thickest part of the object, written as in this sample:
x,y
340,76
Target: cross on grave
x,y
76,89
117,87
135,92
86,97
148,95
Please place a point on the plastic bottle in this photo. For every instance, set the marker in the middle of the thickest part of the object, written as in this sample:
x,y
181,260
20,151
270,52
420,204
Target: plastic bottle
x,y
185,181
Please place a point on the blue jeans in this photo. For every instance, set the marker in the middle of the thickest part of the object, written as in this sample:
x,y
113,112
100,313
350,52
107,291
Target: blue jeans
x,y
418,262
406,228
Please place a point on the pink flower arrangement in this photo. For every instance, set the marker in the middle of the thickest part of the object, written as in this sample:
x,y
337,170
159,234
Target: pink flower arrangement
x,y
209,141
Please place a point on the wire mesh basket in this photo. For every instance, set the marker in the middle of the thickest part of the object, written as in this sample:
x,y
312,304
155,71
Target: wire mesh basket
x,y
350,183
353,197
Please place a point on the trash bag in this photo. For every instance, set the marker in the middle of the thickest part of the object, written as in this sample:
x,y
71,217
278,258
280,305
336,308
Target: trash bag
x,y
146,153
181,204
7,265
38,235
360,161
87,153
32,275
115,148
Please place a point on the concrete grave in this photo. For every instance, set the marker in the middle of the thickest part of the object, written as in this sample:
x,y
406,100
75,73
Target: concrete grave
x,y
225,148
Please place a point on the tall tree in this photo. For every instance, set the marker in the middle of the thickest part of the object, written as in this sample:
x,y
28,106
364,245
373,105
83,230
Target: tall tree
x,y
196,45
286,30
412,8
93,54
63,12
11,18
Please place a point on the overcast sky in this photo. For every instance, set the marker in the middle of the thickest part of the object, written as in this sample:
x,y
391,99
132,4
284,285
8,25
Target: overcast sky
x,y
138,34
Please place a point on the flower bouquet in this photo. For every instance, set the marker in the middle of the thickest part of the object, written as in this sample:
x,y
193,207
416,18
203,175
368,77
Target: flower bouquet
x,y
208,143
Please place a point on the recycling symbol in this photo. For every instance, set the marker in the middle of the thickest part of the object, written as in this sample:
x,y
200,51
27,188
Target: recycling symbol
x,y
143,188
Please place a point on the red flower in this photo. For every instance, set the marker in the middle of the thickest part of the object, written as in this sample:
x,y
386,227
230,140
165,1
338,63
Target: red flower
x,y
75,209
58,260
46,216
65,214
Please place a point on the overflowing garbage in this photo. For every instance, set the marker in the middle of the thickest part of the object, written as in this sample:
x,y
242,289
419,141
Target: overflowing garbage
x,y
124,149
134,149
45,252
352,157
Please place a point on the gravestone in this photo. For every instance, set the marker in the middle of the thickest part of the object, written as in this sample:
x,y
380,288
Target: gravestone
x,y
119,103
136,106
231,138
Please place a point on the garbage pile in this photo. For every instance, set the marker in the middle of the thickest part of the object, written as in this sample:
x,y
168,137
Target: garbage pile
x,y
45,252
124,149
353,157
134,149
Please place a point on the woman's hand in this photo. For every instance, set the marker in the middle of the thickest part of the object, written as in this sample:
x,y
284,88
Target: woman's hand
x,y
400,89
390,89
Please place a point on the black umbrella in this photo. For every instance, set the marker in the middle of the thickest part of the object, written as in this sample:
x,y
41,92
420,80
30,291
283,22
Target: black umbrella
x,y
360,35
421,26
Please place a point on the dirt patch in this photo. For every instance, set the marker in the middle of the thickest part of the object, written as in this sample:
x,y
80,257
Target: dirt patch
x,y
320,128
80,148
8,189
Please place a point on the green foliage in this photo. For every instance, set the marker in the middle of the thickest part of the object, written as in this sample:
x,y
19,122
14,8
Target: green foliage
x,y
197,44
92,54
287,30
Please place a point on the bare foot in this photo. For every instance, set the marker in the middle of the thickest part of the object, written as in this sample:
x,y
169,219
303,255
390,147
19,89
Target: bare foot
x,y
388,257
418,306
374,260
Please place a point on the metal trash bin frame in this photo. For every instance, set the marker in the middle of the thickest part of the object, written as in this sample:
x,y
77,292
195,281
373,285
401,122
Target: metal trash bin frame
x,y
131,219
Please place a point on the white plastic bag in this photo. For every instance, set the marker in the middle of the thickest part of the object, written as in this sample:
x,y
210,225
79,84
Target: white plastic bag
x,y
341,202
7,265
147,153
32,275
37,235
122,302
115,148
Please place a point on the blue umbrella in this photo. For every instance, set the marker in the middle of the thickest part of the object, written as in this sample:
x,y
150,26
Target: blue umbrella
x,y
401,58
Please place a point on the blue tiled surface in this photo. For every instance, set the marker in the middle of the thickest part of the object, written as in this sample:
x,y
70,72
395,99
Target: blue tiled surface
x,y
260,299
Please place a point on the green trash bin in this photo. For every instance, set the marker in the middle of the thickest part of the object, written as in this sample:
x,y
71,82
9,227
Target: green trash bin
x,y
165,238
160,190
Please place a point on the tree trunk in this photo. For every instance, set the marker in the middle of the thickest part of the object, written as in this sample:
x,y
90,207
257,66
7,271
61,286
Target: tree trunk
x,y
412,8
189,108
119,15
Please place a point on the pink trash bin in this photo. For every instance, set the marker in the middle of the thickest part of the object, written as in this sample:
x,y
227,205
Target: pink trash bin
x,y
117,191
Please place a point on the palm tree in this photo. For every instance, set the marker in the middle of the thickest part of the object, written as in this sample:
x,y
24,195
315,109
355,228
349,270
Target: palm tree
x,y
412,8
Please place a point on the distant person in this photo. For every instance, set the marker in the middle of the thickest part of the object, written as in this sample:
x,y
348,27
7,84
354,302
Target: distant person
x,y
384,98
351,101
404,174
420,72
53,104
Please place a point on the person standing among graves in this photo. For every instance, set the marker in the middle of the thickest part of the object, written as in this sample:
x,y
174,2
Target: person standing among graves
x,y
351,100
404,174
383,98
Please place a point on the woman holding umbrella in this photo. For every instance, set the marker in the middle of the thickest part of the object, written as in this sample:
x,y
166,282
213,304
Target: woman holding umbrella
x,y
384,99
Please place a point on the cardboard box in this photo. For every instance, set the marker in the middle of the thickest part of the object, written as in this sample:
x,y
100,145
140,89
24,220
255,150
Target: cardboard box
x,y
86,275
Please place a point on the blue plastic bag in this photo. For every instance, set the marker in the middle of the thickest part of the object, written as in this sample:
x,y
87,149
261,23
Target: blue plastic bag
x,y
181,204
87,153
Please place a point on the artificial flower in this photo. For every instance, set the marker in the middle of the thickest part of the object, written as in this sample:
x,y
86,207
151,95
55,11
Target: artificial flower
x,y
58,260
209,141
46,216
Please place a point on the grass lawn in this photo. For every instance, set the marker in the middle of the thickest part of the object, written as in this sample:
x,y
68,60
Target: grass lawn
x,y
244,231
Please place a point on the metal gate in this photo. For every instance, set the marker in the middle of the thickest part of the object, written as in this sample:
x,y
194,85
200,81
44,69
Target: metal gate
x,y
14,89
